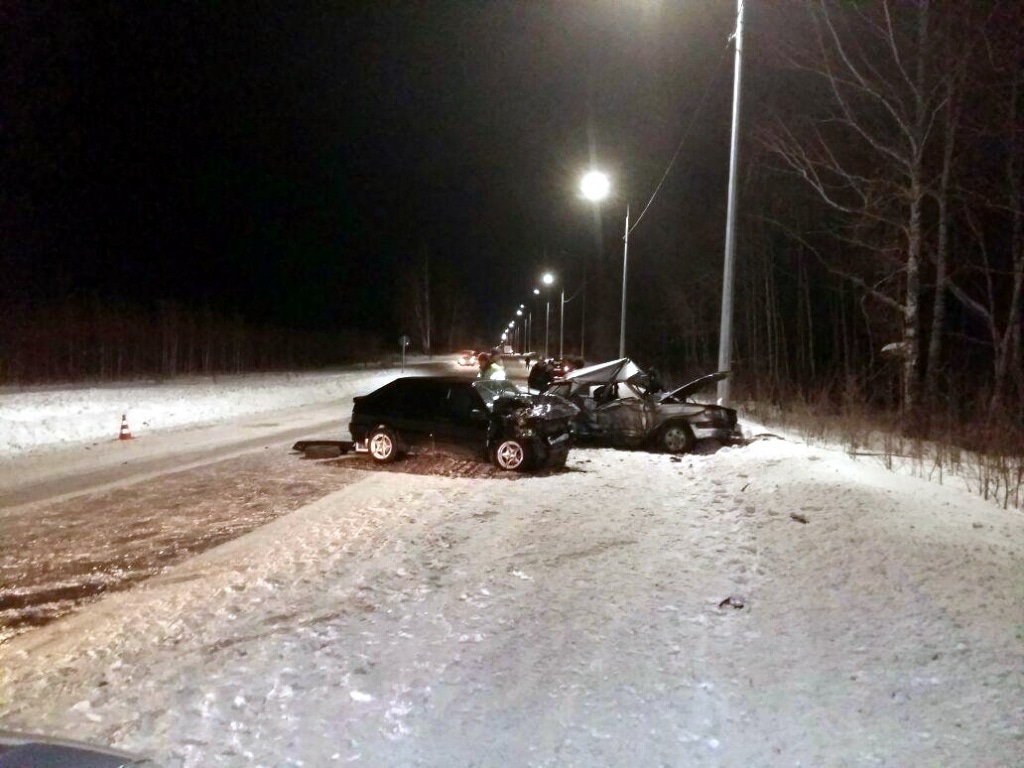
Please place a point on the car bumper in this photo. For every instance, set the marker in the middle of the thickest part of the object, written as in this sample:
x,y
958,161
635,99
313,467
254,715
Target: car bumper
x,y
724,435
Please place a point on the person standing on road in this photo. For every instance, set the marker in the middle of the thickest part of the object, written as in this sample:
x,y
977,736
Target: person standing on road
x,y
490,367
540,376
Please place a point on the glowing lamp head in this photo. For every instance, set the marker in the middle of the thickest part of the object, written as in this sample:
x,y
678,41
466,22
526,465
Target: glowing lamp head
x,y
595,186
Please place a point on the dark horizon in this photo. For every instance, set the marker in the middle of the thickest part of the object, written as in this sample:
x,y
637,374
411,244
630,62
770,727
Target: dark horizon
x,y
288,165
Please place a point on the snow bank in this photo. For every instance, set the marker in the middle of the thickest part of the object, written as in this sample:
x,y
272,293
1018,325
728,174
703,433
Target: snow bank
x,y
34,418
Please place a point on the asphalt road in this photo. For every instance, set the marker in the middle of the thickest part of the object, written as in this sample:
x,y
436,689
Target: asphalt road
x,y
56,474
81,522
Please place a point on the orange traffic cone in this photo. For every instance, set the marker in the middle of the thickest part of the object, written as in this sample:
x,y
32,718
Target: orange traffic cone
x,y
126,434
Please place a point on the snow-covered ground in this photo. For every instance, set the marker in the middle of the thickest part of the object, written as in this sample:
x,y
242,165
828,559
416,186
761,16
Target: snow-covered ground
x,y
32,418
775,604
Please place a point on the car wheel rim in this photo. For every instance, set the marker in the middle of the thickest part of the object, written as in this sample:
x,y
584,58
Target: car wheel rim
x,y
675,439
510,455
381,446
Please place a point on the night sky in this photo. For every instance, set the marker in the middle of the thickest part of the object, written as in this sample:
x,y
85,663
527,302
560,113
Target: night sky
x,y
287,160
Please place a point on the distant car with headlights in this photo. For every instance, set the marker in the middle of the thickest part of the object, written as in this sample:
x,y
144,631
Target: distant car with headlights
x,y
621,405
466,357
491,418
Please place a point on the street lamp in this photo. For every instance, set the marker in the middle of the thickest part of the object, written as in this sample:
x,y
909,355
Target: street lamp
x,y
596,186
536,292
725,335
561,322
547,279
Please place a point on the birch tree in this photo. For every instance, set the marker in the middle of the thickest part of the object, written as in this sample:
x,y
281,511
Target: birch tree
x,y
991,285
863,153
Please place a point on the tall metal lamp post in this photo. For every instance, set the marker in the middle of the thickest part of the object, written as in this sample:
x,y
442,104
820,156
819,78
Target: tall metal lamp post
x,y
725,335
561,322
596,187
548,279
536,292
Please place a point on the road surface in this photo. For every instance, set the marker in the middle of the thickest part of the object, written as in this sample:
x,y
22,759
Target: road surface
x,y
84,521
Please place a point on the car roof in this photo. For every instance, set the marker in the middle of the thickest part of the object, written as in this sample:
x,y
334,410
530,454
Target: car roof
x,y
447,379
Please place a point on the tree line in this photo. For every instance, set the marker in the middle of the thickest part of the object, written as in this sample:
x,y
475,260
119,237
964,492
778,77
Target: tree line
x,y
104,341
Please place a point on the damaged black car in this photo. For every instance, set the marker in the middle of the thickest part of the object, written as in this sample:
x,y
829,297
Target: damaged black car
x,y
623,406
492,418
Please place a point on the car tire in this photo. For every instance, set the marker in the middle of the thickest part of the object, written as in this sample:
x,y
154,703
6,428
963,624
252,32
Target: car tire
x,y
556,459
511,455
382,443
676,437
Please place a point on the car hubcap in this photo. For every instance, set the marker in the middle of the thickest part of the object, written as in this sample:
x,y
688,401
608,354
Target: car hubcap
x,y
510,455
675,439
381,446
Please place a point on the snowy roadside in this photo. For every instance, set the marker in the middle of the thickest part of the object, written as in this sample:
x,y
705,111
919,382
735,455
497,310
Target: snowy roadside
x,y
770,605
35,418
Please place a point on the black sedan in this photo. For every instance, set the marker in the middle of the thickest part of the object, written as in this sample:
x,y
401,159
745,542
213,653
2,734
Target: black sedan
x,y
492,418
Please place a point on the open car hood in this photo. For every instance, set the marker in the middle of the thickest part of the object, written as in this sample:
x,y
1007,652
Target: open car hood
x,y
624,369
613,371
683,392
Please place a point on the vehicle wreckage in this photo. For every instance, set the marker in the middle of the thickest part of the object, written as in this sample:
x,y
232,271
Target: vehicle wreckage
x,y
621,405
491,418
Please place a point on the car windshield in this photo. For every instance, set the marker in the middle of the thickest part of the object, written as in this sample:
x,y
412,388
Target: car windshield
x,y
491,389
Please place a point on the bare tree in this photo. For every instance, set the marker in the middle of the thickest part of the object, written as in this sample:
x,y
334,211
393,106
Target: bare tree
x,y
864,155
414,297
990,281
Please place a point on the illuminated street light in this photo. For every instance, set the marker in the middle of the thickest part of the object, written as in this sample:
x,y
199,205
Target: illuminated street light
x,y
595,186
561,315
547,279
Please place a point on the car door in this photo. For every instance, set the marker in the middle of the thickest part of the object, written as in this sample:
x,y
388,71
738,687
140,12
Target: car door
x,y
621,414
467,418
420,415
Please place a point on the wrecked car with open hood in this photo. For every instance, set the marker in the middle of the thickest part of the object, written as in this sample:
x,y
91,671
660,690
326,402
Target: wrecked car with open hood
x,y
622,405
492,418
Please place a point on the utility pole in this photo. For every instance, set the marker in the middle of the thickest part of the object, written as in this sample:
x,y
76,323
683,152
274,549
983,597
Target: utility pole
x,y
725,336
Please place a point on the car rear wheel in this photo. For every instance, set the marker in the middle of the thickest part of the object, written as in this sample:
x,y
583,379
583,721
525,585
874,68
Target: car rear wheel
x,y
383,445
676,438
556,459
511,455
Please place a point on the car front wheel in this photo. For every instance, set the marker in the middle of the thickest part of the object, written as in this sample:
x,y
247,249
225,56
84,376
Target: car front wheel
x,y
676,438
510,455
383,445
